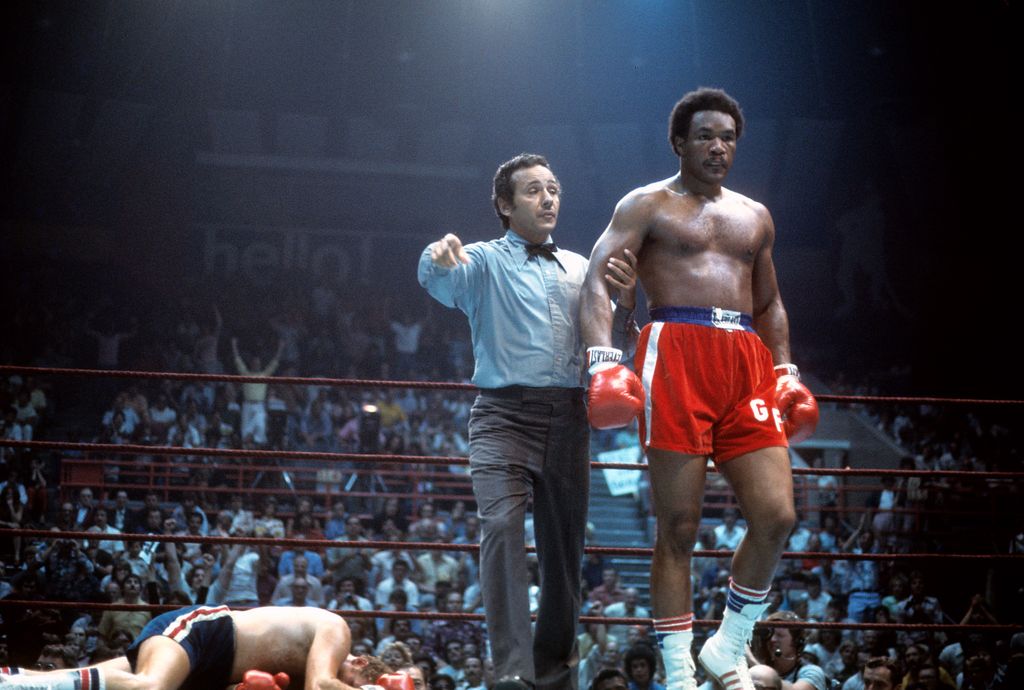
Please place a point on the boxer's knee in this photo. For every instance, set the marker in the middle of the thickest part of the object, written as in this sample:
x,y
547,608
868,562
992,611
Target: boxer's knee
x,y
677,534
773,526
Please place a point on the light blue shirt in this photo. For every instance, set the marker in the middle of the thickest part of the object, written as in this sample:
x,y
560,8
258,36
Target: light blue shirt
x,y
523,311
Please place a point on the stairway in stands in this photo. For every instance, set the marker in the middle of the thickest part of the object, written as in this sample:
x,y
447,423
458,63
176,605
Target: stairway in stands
x,y
618,521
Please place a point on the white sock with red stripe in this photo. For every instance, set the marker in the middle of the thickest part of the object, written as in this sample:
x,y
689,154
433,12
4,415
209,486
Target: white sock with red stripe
x,y
675,638
78,679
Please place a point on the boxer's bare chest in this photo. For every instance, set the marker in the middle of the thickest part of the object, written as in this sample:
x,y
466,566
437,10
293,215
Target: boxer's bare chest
x,y
687,226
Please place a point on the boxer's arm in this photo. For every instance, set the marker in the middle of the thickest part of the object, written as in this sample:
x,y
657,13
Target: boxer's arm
x,y
622,276
625,231
330,646
770,319
615,394
798,407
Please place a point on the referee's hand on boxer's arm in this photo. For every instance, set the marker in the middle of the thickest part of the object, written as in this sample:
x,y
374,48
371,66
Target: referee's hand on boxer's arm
x,y
622,276
448,252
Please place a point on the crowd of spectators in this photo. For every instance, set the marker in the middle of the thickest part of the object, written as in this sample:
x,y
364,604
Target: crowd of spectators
x,y
322,334
826,658
945,513
112,568
891,516
316,334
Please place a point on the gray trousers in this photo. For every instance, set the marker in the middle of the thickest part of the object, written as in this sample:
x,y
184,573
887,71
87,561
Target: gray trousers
x,y
523,443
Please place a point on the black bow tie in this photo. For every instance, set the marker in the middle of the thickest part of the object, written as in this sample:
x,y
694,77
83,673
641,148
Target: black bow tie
x,y
544,250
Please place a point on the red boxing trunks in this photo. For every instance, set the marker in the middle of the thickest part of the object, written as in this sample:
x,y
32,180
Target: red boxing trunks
x,y
709,382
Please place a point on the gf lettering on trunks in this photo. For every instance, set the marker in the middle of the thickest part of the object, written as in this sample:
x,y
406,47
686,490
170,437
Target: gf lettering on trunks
x,y
760,410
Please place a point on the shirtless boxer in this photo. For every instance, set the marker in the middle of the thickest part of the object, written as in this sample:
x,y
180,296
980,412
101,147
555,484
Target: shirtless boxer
x,y
203,647
715,366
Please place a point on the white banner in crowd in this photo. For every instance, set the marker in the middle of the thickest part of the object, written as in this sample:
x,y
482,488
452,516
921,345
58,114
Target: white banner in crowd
x,y
622,482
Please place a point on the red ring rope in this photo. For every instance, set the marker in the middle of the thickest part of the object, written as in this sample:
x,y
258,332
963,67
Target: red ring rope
x,y
371,383
435,546
382,458
134,449
433,615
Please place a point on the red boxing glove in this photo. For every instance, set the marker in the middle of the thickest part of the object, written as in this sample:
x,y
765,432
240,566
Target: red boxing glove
x,y
396,681
616,395
798,407
261,680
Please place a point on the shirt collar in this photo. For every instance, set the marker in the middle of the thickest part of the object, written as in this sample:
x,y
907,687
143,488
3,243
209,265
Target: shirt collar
x,y
517,246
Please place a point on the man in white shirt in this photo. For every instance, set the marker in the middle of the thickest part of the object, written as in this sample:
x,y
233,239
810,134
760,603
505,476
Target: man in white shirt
x,y
629,607
300,571
729,534
101,526
399,580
